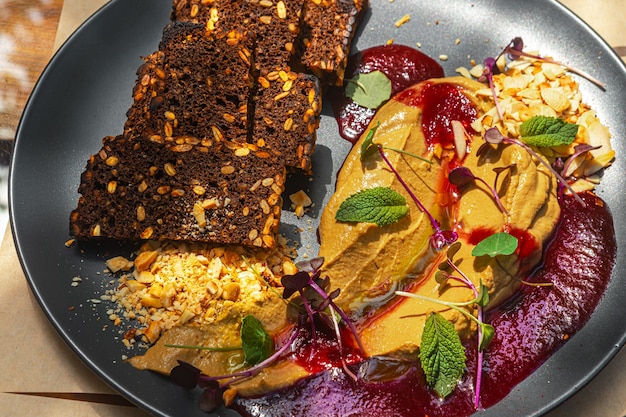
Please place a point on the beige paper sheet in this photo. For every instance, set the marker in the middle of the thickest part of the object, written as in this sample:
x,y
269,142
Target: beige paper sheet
x,y
34,358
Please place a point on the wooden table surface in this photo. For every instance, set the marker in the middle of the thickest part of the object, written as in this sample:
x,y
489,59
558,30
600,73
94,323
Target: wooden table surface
x,y
30,32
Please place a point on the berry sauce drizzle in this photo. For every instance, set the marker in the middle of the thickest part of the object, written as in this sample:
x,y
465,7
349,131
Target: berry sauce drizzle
x,y
531,327
403,65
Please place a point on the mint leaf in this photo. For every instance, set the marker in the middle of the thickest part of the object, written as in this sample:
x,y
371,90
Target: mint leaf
x,y
369,90
441,354
367,147
543,131
497,244
380,205
256,343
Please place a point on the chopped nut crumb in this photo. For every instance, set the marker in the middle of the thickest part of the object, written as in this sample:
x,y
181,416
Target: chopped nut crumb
x,y
179,283
404,19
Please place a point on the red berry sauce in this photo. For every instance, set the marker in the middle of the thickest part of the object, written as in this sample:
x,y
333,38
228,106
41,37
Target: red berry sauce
x,y
403,65
529,329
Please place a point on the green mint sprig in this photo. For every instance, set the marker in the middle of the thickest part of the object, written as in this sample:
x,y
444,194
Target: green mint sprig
x,y
379,205
495,137
544,131
442,355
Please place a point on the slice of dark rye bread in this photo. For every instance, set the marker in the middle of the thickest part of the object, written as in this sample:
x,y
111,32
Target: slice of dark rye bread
x,y
180,188
313,34
287,106
275,24
180,102
327,31
198,83
204,84
202,100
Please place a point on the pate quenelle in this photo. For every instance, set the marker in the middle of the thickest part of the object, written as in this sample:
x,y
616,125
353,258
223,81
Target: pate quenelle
x,y
365,260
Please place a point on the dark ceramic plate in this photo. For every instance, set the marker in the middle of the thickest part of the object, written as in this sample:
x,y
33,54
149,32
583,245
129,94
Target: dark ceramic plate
x,y
86,89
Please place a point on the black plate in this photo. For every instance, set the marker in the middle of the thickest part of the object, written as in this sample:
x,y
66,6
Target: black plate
x,y
85,91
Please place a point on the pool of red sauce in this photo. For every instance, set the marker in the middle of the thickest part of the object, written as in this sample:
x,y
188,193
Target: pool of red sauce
x,y
403,65
529,328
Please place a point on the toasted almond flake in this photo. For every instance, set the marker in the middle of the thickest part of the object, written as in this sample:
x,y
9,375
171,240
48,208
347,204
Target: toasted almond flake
x,y
264,206
146,233
268,241
163,189
460,139
209,203
169,169
281,95
118,263
199,190
181,148
464,72
264,82
111,187
242,151
555,98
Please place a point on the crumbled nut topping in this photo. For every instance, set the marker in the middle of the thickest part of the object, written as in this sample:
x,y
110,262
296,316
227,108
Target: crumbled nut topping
x,y
173,284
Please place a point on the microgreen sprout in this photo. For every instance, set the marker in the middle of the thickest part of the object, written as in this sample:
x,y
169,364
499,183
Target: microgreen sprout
x,y
258,345
368,147
317,302
578,151
448,270
515,50
462,176
188,376
440,237
494,136
488,70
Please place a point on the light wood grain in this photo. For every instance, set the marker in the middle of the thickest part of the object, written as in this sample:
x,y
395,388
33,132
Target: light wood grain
x,y
27,33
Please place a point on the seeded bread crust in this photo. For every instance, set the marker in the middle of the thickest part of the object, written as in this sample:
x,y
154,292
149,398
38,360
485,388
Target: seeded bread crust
x,y
181,188
327,32
198,84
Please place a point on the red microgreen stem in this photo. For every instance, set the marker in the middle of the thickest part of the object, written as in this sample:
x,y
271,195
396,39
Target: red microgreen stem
x,y
547,165
489,65
344,364
439,238
518,53
479,313
343,316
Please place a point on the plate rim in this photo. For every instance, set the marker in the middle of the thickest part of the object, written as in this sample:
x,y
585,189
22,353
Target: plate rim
x,y
64,334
